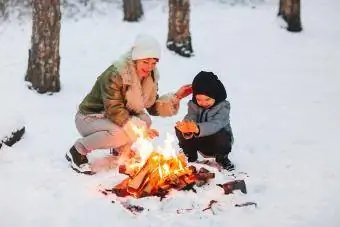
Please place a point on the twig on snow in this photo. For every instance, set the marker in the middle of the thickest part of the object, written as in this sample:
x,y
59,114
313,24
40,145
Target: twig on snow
x,y
210,206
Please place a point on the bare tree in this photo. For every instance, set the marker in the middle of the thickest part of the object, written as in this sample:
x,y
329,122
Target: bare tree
x,y
43,57
289,10
179,37
133,10
3,8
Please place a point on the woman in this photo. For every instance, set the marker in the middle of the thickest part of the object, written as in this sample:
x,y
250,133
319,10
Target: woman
x,y
118,101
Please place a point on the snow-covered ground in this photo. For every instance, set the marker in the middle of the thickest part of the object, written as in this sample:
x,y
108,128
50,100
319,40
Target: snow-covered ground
x,y
284,90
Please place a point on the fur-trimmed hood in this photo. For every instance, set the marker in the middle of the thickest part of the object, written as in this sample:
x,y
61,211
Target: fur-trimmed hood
x,y
139,94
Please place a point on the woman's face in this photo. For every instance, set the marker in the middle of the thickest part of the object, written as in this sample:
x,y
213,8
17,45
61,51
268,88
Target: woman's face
x,y
204,101
145,66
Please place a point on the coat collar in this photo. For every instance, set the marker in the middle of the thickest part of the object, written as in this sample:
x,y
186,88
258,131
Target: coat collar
x,y
127,70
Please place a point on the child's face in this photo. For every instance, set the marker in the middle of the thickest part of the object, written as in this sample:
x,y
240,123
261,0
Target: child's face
x,y
204,101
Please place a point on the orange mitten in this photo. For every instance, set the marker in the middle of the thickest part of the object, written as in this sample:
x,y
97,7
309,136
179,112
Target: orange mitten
x,y
187,127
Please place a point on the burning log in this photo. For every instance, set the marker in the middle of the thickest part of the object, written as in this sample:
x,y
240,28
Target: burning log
x,y
141,178
123,169
121,188
155,173
152,185
149,180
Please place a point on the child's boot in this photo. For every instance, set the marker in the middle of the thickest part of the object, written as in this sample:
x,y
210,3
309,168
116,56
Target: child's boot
x,y
191,155
225,162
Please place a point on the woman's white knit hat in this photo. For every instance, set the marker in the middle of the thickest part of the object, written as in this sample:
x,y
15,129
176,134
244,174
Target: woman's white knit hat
x,y
146,46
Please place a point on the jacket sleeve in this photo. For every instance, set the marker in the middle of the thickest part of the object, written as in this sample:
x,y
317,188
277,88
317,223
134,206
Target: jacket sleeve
x,y
192,112
165,105
218,121
113,100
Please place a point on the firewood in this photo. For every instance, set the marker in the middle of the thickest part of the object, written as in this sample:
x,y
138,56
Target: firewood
x,y
203,170
205,176
152,184
122,169
173,178
121,189
127,171
193,169
189,179
200,183
181,184
140,178
230,186
164,187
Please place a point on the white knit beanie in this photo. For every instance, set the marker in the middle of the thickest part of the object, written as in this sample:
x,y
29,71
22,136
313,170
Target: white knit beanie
x,y
146,46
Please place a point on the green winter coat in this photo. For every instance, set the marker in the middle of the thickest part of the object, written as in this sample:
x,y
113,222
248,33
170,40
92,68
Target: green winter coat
x,y
119,94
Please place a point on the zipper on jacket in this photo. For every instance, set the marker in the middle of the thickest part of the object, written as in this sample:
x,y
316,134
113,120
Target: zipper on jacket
x,y
201,116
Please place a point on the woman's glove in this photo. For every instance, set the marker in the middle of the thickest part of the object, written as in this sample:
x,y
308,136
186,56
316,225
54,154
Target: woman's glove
x,y
184,91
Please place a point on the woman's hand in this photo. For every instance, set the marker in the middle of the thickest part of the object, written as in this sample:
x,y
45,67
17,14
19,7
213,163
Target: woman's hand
x,y
184,91
152,133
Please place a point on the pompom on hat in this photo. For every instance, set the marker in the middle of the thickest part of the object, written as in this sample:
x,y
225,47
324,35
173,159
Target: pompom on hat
x,y
146,46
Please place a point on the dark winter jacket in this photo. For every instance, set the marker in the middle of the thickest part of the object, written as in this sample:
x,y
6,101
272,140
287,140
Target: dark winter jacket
x,y
212,120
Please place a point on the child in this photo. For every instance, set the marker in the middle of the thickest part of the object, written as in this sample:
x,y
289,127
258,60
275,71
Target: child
x,y
206,127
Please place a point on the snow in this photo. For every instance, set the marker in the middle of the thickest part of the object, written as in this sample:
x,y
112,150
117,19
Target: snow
x,y
283,88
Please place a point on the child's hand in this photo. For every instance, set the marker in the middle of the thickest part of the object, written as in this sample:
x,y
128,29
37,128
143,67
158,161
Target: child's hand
x,y
187,127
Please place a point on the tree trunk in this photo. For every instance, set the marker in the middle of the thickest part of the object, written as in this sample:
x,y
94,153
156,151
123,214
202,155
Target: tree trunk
x,y
3,9
289,10
179,37
43,57
281,6
133,10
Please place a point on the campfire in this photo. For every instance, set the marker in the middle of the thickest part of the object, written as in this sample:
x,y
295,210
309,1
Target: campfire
x,y
154,172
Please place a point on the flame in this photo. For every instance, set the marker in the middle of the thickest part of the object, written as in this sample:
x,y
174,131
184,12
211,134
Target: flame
x,y
154,166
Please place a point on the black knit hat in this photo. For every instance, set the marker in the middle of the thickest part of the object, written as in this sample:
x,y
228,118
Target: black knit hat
x,y
207,83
